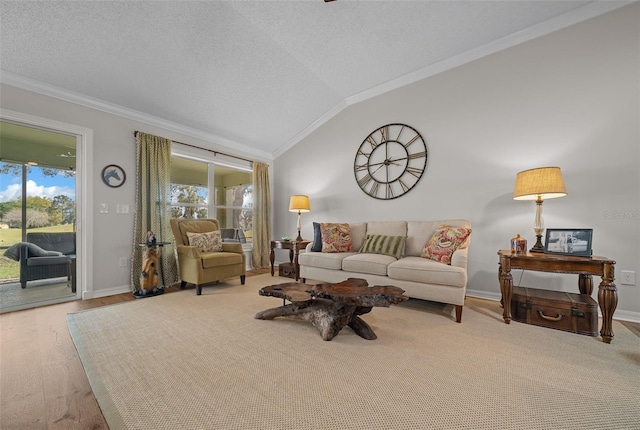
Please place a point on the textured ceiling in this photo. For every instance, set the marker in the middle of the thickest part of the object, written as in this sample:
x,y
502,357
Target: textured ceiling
x,y
254,75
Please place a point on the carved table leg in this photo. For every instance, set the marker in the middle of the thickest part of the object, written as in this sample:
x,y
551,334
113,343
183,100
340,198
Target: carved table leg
x,y
608,300
585,284
506,288
272,257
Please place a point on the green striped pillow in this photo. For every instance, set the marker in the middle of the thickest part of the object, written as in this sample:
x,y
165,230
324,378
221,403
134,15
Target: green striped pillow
x,y
386,245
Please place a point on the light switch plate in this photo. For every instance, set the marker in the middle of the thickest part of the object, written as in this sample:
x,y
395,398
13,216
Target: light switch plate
x,y
627,277
104,208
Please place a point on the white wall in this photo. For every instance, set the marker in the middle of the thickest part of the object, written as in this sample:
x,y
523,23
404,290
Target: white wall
x,y
570,99
113,143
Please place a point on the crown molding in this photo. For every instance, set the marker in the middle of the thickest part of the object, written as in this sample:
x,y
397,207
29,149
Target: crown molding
x,y
35,86
591,10
576,16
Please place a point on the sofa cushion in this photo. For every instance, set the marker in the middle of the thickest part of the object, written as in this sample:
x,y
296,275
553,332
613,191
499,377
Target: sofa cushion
x,y
388,228
46,261
336,237
323,260
64,242
373,264
392,246
444,242
206,242
427,271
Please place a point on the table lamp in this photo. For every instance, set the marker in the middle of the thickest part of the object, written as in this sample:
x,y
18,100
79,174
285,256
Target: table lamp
x,y
538,184
299,203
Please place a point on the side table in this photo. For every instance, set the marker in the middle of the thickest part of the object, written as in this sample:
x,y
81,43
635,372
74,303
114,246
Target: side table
x,y
149,273
584,267
294,247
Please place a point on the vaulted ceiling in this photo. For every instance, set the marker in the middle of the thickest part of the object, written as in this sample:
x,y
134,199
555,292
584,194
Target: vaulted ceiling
x,y
257,76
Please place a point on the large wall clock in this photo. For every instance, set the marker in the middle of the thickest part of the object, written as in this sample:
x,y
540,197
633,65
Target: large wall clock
x,y
390,161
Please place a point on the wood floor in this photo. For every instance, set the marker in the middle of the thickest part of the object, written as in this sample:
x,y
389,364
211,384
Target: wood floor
x,y
42,382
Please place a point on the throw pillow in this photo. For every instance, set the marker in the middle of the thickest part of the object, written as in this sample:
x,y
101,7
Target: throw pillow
x,y
335,237
13,252
206,242
316,246
386,245
444,242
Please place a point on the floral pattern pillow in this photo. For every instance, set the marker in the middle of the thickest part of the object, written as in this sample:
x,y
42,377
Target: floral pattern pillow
x,y
206,242
336,237
444,242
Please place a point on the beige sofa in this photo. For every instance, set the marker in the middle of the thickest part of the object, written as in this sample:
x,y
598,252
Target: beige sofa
x,y
421,278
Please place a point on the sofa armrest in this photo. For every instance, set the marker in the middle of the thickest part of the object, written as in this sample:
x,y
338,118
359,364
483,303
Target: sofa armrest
x,y
460,257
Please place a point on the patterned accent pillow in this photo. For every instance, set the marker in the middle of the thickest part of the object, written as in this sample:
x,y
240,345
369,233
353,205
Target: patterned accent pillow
x,y
336,237
444,242
206,242
387,245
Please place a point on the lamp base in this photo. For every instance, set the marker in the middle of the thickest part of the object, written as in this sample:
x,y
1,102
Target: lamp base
x,y
538,247
299,238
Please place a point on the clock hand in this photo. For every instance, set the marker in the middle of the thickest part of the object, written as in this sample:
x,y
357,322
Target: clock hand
x,y
379,167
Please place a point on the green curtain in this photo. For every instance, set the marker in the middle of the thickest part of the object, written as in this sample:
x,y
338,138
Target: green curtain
x,y
261,216
153,179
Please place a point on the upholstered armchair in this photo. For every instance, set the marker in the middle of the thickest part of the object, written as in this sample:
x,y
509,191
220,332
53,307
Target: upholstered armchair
x,y
199,267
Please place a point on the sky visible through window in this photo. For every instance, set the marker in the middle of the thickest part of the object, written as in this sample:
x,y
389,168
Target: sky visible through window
x,y
37,185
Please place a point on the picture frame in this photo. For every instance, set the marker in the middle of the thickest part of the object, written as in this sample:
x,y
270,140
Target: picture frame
x,y
113,176
569,241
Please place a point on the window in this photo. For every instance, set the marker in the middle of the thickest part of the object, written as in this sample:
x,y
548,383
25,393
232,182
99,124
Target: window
x,y
204,189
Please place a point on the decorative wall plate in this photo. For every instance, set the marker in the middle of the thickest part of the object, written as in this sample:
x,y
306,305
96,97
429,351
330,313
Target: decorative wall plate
x,y
113,176
390,161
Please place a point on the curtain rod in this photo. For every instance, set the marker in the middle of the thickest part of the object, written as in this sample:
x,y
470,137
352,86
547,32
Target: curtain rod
x,y
135,133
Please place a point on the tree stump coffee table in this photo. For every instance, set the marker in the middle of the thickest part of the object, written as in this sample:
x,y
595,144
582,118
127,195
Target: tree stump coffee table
x,y
330,307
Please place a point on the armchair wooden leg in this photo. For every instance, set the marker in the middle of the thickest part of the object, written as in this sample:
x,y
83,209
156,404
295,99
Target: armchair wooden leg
x,y
183,284
242,278
198,290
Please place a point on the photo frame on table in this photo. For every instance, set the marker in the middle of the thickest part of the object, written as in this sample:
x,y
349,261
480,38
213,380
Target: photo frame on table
x,y
569,241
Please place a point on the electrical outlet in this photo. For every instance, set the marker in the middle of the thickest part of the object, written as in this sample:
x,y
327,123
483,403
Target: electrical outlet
x,y
124,261
627,277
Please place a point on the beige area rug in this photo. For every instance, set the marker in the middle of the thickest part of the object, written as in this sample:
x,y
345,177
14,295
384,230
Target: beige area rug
x,y
181,361
12,295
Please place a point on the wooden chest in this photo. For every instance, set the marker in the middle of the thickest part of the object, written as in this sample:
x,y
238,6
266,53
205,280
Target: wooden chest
x,y
287,270
577,313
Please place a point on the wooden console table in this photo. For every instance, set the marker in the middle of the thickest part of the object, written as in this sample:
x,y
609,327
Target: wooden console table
x,y
584,267
294,247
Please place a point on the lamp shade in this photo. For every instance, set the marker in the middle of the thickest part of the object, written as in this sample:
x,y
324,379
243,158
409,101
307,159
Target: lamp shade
x,y
299,203
543,182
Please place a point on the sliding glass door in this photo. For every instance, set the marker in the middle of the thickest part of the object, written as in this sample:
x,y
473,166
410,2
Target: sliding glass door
x,y
37,195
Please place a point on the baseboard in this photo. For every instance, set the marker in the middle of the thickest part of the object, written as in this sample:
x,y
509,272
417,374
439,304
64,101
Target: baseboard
x,y
106,292
617,315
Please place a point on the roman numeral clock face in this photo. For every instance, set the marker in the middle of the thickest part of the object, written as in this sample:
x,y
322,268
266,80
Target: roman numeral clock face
x,y
390,161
